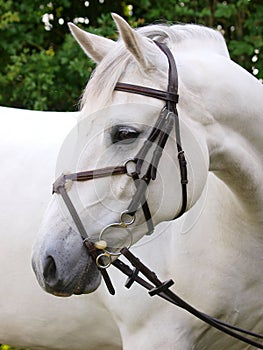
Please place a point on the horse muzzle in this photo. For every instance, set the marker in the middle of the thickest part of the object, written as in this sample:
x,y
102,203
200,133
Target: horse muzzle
x,y
65,274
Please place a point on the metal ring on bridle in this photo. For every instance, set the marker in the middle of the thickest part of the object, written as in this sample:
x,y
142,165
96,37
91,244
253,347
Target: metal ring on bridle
x,y
125,164
116,226
127,218
103,255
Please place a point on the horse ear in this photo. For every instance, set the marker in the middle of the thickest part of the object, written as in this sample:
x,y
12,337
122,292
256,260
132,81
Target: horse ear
x,y
134,42
96,47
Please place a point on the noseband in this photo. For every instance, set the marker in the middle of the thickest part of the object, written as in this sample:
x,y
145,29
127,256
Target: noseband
x,y
99,251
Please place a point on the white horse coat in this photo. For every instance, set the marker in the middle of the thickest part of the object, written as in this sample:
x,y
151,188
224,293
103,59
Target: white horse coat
x,y
29,317
214,252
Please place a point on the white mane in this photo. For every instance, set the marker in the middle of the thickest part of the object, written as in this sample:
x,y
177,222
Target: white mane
x,y
177,36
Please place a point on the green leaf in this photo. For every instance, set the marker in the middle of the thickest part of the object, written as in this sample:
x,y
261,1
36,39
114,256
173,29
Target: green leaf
x,y
225,10
240,48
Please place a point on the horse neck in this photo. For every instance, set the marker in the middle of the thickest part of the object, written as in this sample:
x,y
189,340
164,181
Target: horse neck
x,y
234,103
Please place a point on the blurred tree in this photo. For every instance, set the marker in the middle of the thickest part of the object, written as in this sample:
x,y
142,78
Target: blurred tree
x,y
42,67
241,22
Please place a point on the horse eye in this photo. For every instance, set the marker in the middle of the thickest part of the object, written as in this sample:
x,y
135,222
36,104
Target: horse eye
x,y
124,134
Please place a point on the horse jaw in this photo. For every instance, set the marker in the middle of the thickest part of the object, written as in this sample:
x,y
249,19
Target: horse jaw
x,y
96,47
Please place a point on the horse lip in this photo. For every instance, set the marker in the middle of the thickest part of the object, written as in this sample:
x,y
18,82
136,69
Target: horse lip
x,y
82,280
61,294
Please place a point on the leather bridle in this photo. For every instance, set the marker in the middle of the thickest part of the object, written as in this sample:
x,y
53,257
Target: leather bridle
x,y
157,139
100,253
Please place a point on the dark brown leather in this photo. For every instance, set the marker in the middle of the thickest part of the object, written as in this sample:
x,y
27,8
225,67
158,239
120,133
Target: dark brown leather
x,y
162,289
94,254
97,173
146,91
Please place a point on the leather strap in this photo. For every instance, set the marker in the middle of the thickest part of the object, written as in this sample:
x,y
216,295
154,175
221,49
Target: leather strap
x,y
97,173
146,91
171,98
161,289
172,76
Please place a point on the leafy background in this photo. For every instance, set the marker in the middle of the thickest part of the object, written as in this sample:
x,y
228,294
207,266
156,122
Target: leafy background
x,y
7,347
42,68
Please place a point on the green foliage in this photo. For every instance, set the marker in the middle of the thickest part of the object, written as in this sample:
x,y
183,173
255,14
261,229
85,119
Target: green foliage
x,y
43,68
240,21
7,347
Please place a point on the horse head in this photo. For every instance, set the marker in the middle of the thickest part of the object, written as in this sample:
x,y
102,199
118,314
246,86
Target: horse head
x,y
113,129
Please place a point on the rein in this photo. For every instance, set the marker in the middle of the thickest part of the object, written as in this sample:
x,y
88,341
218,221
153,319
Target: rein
x,y
156,287
105,256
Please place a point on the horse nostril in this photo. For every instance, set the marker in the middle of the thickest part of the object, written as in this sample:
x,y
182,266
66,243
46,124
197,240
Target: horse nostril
x,y
52,281
50,269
